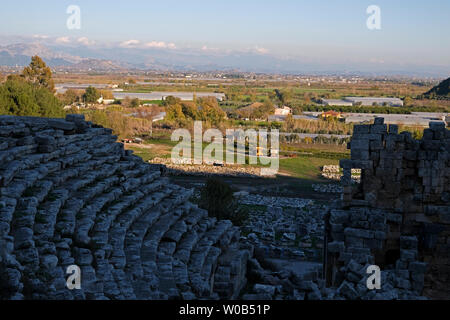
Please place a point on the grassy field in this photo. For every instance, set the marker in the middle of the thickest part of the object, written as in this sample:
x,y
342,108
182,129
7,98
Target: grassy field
x,y
149,152
301,167
308,168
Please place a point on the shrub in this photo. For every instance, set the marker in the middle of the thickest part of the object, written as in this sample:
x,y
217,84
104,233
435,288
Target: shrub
x,y
217,198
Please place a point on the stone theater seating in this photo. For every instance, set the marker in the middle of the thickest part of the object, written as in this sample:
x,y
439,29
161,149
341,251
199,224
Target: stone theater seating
x,y
71,195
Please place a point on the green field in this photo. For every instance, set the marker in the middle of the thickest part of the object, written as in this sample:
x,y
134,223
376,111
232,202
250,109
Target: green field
x,y
145,154
308,168
301,167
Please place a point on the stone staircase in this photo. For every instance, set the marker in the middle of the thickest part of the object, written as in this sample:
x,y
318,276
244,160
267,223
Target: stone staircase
x,y
71,195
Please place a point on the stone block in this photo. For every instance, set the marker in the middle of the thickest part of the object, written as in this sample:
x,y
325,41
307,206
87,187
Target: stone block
x,y
339,216
345,257
402,283
417,267
353,242
393,128
408,242
408,255
378,121
359,233
61,124
373,244
437,125
359,144
336,246
336,227
376,145
380,235
347,290
357,215
361,129
394,217
358,154
264,289
378,128
75,118
427,134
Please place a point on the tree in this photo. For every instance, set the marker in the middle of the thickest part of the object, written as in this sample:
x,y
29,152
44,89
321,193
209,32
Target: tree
x,y
39,74
91,95
126,102
21,98
190,109
218,199
175,113
69,97
284,96
107,94
264,111
290,123
209,110
408,102
171,100
135,103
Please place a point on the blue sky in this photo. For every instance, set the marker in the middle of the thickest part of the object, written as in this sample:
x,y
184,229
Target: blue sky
x,y
412,31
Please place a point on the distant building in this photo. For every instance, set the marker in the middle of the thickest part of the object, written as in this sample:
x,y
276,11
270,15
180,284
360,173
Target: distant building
x,y
283,111
370,101
363,101
282,118
159,117
278,118
108,101
336,102
331,114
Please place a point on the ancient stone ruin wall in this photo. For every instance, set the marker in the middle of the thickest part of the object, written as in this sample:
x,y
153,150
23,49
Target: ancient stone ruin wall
x,y
400,173
71,195
399,215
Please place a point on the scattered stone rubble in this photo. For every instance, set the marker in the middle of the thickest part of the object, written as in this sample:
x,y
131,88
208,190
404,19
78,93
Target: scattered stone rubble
x,y
206,170
290,229
277,202
327,188
288,250
358,235
333,172
71,195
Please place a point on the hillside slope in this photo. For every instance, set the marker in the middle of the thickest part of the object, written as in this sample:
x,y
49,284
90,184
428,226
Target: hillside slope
x,y
441,91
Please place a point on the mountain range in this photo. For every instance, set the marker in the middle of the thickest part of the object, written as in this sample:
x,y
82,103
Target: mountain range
x,y
115,58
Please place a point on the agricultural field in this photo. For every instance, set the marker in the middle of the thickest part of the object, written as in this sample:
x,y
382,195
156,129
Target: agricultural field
x,y
248,103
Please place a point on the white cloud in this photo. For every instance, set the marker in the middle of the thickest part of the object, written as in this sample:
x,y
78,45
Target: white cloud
x,y
40,36
375,60
206,48
160,44
261,50
85,41
63,40
130,43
